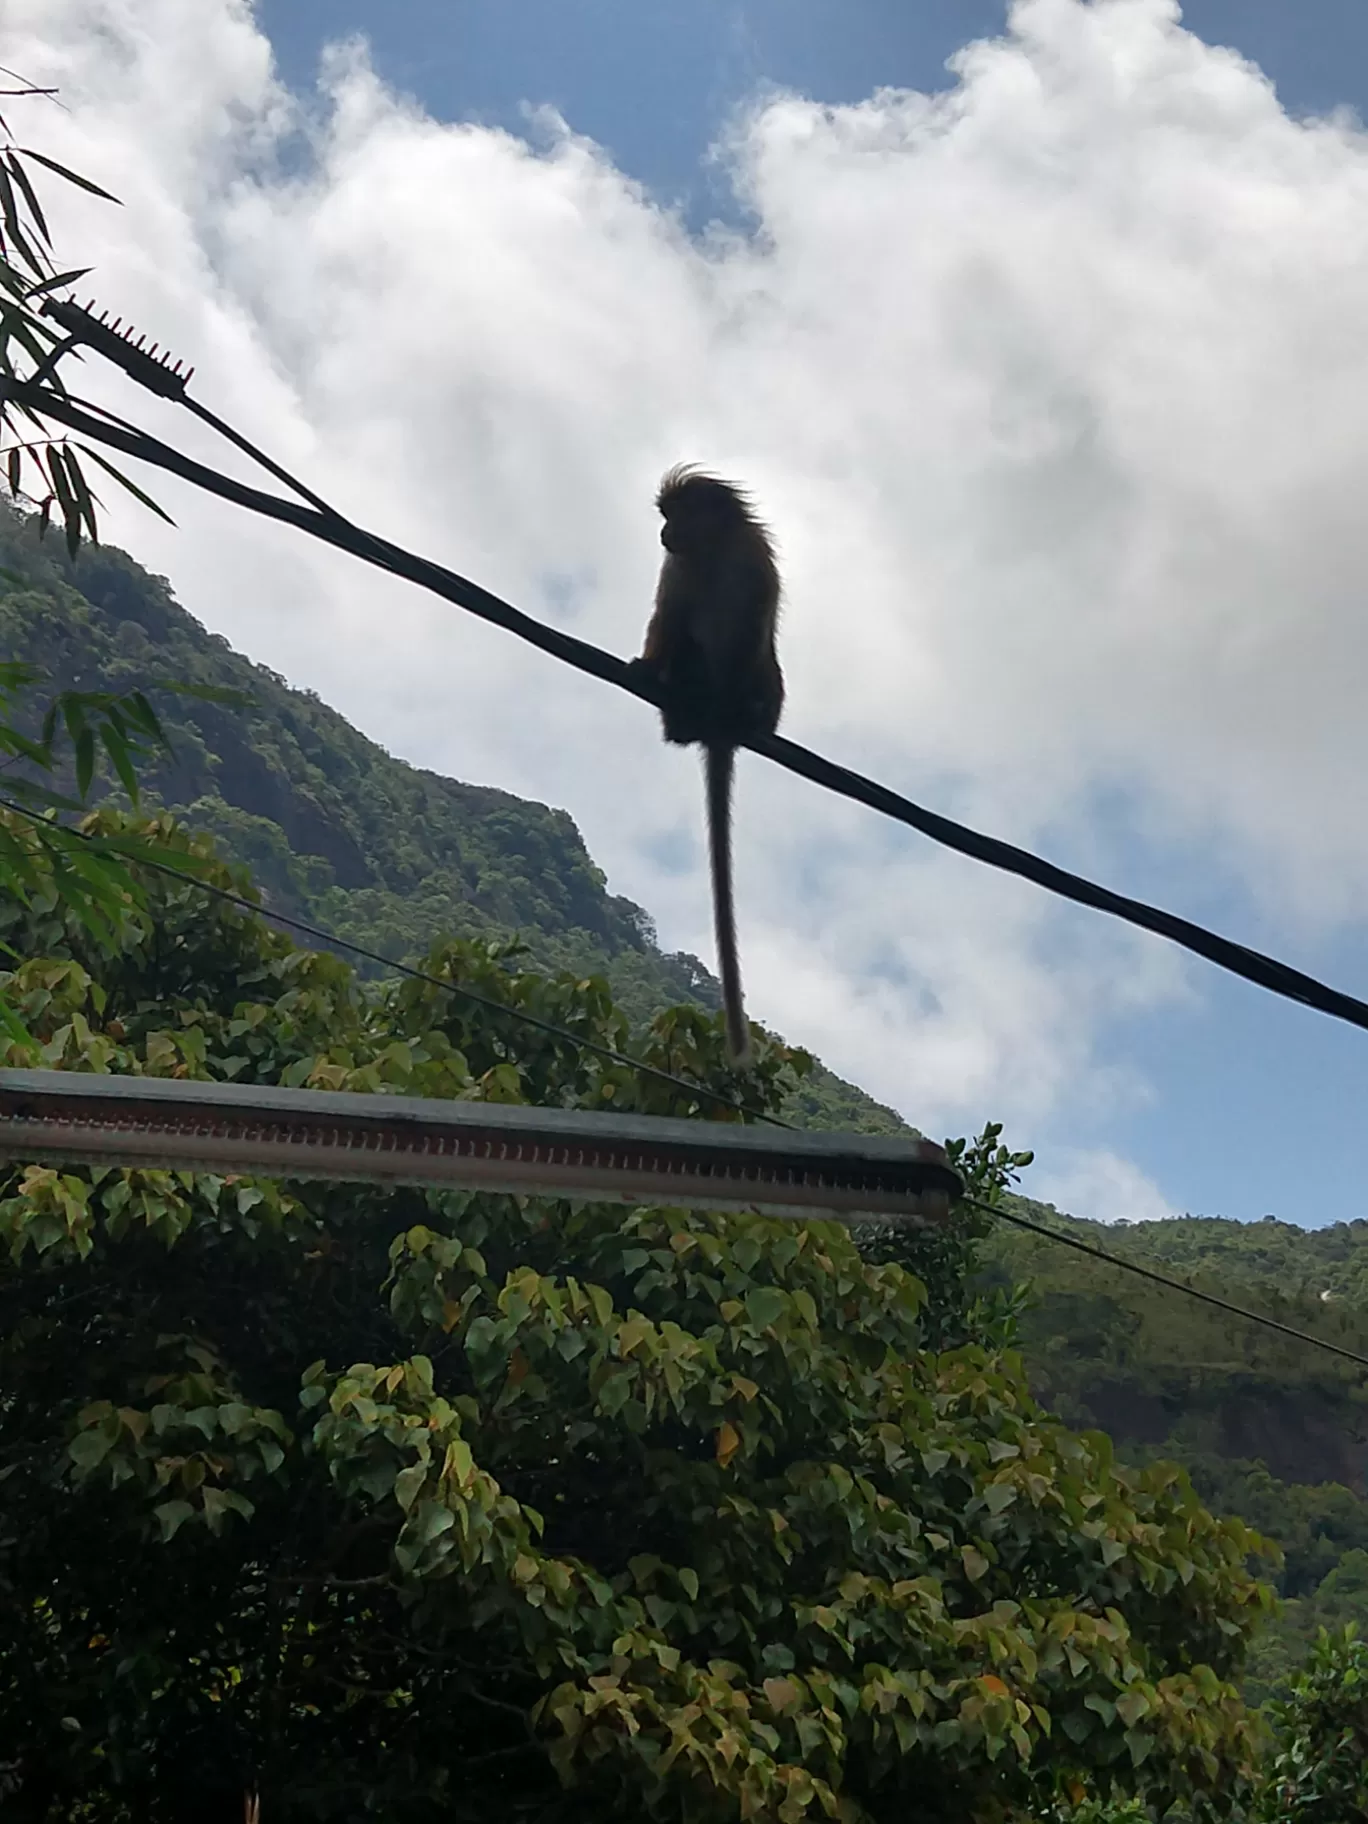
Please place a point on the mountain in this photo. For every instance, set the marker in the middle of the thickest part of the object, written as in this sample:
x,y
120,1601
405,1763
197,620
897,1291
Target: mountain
x,y
334,829
1268,1427
338,831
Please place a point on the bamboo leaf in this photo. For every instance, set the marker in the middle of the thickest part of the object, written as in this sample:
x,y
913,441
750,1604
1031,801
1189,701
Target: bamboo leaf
x,y
9,214
85,761
72,177
58,278
123,481
21,178
13,1026
18,743
141,712
117,749
33,793
85,501
66,495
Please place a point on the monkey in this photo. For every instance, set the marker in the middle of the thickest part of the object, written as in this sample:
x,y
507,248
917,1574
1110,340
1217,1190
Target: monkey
x,y
710,652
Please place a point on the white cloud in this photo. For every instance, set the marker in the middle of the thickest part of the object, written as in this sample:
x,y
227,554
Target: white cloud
x,y
1098,1184
1053,387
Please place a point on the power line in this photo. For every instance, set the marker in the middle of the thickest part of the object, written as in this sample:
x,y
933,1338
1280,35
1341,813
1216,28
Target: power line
x,y
331,528
696,1091
1162,1279
1264,971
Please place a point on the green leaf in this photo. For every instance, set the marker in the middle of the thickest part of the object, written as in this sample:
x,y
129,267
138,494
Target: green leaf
x,y
220,1502
9,213
171,1516
124,482
21,178
11,1025
66,497
85,501
88,1449
765,1305
117,749
57,280
408,1483
975,1564
72,177
142,713
85,761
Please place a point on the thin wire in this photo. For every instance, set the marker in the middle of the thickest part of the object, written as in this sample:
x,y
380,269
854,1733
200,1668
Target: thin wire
x,y
1019,861
1162,1279
696,1091
330,528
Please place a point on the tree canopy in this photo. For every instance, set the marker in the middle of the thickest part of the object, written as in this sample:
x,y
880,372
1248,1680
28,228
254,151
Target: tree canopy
x,y
375,1502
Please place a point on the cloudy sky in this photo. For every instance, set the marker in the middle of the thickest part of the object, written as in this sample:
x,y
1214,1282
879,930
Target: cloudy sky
x,y
1049,366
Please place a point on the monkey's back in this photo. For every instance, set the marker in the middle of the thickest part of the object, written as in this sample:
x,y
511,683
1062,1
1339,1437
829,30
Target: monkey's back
x,y
724,685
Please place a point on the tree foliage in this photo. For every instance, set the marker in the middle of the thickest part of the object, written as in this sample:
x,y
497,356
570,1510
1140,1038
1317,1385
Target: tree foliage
x,y
1268,1427
1320,1772
50,471
377,1503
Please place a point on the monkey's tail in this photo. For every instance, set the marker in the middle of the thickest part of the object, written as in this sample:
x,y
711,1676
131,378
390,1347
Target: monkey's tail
x,y
719,763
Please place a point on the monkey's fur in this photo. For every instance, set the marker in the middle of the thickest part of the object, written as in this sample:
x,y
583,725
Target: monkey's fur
x,y
710,651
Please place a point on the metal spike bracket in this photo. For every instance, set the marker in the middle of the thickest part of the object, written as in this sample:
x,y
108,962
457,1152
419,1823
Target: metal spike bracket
x,y
156,372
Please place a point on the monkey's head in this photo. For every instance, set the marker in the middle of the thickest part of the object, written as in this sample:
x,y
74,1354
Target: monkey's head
x,y
699,511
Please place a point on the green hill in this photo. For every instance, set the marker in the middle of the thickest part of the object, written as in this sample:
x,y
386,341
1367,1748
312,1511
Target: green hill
x,y
338,831
1268,1427
334,829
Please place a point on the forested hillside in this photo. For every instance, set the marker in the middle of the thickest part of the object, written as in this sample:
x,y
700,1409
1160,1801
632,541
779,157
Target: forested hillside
x,y
333,828
1269,1428
337,830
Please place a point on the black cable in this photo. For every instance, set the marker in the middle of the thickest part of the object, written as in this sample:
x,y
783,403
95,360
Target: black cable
x,y
1162,1279
1252,965
696,1091
268,463
693,1090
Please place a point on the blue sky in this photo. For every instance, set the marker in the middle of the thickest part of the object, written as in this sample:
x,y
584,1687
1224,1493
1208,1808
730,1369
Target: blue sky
x,y
651,80
1257,1099
1078,468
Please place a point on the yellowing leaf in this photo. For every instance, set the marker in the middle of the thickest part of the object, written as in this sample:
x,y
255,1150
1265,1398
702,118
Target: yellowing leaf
x,y
728,1442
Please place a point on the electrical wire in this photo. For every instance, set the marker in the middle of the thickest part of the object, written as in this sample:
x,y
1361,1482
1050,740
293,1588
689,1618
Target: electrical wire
x,y
325,523
331,528
695,1091
1162,1279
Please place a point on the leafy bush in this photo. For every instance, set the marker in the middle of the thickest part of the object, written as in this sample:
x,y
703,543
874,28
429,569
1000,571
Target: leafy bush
x,y
381,1503
1320,1771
